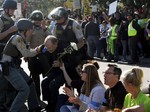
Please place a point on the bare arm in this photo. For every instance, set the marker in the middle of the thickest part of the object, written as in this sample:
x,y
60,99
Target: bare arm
x,y
139,108
66,76
106,17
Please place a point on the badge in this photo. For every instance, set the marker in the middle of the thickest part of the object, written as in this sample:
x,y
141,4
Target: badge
x,y
37,16
19,40
69,27
22,45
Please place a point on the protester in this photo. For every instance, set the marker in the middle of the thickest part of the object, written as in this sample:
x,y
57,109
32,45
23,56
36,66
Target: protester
x,y
115,94
132,83
92,91
139,108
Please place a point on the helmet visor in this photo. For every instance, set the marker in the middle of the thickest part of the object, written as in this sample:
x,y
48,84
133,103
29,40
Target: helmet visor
x,y
56,17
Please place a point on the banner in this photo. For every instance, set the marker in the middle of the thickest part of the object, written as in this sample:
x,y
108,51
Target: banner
x,y
112,8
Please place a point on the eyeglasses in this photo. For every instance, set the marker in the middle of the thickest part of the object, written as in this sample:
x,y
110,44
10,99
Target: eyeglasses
x,y
109,73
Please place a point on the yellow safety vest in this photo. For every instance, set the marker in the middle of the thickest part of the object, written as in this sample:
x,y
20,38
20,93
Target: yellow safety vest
x,y
113,32
131,30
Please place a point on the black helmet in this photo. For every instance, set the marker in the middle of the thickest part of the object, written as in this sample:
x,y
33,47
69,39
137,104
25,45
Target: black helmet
x,y
24,24
58,13
9,4
36,15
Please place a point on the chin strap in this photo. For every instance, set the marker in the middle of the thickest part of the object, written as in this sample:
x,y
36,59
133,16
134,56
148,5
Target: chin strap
x,y
63,22
7,12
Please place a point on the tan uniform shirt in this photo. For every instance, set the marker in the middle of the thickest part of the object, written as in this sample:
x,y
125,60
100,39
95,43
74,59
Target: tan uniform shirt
x,y
76,29
21,46
1,22
38,37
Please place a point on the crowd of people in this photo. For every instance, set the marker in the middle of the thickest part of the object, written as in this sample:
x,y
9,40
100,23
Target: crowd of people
x,y
47,50
122,36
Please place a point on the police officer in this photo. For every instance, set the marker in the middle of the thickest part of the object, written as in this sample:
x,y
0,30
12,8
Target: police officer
x,y
69,30
39,34
7,29
66,30
16,48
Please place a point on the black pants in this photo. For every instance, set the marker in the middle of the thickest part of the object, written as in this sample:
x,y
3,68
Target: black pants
x,y
38,65
133,49
50,88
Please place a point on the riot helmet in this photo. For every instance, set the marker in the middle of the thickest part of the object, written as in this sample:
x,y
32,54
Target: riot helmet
x,y
9,4
24,24
36,15
58,13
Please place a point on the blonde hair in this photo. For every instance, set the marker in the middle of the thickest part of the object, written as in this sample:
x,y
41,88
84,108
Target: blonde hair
x,y
134,77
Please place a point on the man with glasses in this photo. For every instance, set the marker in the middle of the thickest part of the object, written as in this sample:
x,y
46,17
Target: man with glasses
x,y
114,95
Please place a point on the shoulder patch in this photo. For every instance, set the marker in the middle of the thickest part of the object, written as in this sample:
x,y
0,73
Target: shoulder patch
x,y
78,27
19,40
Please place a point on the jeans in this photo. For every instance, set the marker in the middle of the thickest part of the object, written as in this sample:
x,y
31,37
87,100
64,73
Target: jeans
x,y
19,80
92,45
102,46
64,108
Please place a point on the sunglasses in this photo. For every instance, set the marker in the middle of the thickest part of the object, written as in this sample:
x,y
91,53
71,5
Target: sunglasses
x,y
82,71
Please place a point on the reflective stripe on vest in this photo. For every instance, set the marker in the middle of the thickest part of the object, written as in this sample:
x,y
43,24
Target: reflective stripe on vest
x,y
131,30
113,32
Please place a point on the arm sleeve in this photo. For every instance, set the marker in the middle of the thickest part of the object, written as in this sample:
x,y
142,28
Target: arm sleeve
x,y
96,97
19,43
77,30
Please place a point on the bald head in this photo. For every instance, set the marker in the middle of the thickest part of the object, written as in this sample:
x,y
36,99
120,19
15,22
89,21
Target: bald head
x,y
51,43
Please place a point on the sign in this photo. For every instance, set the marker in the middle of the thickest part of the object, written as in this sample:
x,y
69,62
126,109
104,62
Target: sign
x,y
18,12
112,8
76,4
